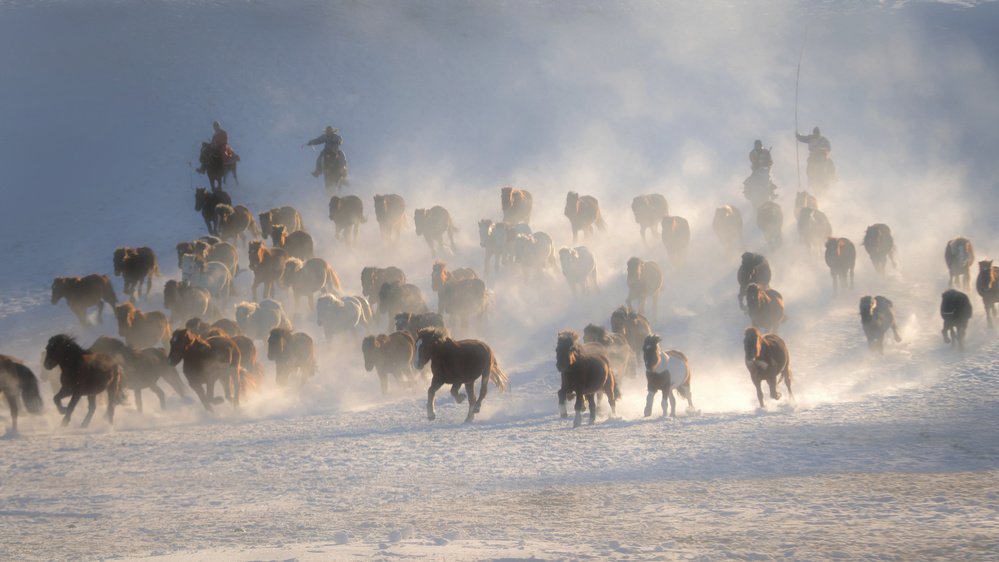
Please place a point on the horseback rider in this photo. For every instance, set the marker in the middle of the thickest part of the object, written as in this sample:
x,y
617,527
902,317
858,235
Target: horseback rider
x,y
759,157
220,147
820,167
332,142
818,145
759,186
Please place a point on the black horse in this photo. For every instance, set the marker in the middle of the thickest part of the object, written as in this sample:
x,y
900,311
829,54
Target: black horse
x,y
212,164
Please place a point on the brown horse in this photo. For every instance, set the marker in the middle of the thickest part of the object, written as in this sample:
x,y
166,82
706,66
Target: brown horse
x,y
413,323
676,239
440,275
754,269
955,309
877,316
804,200
267,265
665,371
143,368
841,257
727,225
766,358
206,201
83,374
251,371
142,329
645,281
462,298
185,301
457,363
18,380
372,279
233,223
395,297
298,244
82,293
390,354
614,346
770,220
988,288
347,214
880,246
634,326
287,216
207,361
305,278
293,353
390,212
649,211
517,205
813,229
960,255
583,214
134,265
209,251
583,374
765,307
432,225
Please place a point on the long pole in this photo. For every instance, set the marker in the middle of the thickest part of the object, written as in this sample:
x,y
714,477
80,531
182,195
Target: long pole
x,y
797,157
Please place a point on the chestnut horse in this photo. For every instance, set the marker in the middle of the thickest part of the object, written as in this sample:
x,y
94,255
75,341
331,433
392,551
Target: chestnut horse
x,y
232,223
207,361
960,255
287,216
765,307
267,265
305,278
293,353
83,374
877,316
645,281
18,380
440,275
299,244
390,354
432,224
988,288
82,293
517,205
390,212
583,374
676,239
457,363
666,371
766,358
372,279
583,214
134,265
841,257
649,211
141,329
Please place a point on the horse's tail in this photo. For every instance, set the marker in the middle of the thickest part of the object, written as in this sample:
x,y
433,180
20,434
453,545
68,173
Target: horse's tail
x,y
498,377
252,227
29,389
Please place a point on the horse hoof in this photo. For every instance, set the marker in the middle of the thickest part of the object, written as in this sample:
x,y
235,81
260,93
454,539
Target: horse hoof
x,y
648,412
564,415
431,417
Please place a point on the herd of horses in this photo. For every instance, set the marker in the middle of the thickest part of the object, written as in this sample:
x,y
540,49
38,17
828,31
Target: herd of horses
x,y
416,339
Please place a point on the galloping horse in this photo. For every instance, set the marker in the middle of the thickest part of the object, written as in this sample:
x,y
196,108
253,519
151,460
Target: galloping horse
x,y
960,255
432,224
649,211
207,361
727,225
268,266
134,265
666,371
877,316
765,307
82,293
880,246
457,363
645,280
517,205
390,354
770,220
988,288
83,374
440,276
347,214
955,309
583,374
634,326
841,257
293,352
390,212
754,269
206,202
16,379
766,358
676,239
583,214
142,329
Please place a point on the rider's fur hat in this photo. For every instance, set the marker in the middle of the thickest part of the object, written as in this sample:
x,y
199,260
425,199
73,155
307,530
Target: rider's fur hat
x,y
330,129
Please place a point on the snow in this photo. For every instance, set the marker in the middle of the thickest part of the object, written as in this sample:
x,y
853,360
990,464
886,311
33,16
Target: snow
x,y
893,456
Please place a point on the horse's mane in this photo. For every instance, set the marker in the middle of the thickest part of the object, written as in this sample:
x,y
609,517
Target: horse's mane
x,y
68,343
223,209
752,342
280,331
599,333
867,305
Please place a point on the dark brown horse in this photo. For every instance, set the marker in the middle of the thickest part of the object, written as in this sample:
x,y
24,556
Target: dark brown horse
x,y
82,293
517,205
645,281
267,265
634,326
390,354
440,275
142,329
676,239
841,257
960,255
988,288
765,307
583,374
233,223
754,269
583,214
728,227
215,168
395,297
462,298
83,374
134,265
287,216
432,224
767,360
347,214
372,279
206,201
649,211
877,316
390,212
413,323
457,363
770,220
16,380
143,368
880,246
666,371
298,244
207,361
955,309
293,353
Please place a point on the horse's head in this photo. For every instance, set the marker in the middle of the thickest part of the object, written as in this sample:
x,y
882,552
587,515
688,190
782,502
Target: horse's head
x,y
59,288
426,340
291,268
985,266
634,268
485,227
618,318
369,347
571,203
594,333
566,255
752,342
180,342
256,253
650,351
335,204
754,293
119,260
381,207
266,223
223,212
278,234
419,220
200,198
56,349
867,305
506,197
402,320
438,276
748,260
276,343
125,314
566,349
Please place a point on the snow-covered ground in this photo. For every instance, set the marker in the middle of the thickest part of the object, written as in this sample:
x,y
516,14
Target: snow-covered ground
x,y
894,456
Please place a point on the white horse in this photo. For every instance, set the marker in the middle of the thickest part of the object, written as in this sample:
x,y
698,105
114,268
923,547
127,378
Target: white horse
x,y
212,276
579,267
339,315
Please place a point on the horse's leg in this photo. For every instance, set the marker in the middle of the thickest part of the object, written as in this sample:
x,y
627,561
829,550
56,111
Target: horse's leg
x,y
91,407
672,404
159,394
649,401
772,383
69,409
455,391
138,400
473,405
63,392
562,410
759,390
205,399
12,403
579,409
591,401
435,385
383,379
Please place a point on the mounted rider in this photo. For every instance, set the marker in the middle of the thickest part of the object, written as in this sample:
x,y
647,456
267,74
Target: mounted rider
x,y
821,169
760,157
221,150
759,186
332,142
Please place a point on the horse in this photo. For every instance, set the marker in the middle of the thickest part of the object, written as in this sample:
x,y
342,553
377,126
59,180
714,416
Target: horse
x,y
813,229
959,255
534,252
390,212
649,211
955,309
185,301
727,225
583,374
257,319
634,326
583,214
461,298
880,246
206,201
221,327
18,380
665,371
305,278
209,251
232,223
212,276
142,329
207,361
372,279
251,371
215,168
457,363
287,216
766,358
83,374
987,285
754,269
347,214
804,200
841,257
267,265
765,307
134,265
645,281
770,220
390,354
298,244
877,316
395,297
413,323
293,353
614,346
143,368
432,224
493,237
440,275
676,239
337,315
82,293
517,205
579,267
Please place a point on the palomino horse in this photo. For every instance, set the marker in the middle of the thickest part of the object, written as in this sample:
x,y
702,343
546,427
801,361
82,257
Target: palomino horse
x,y
18,380
82,293
457,363
306,277
880,246
766,358
215,168
676,239
877,316
583,374
754,269
390,212
960,255
583,214
649,212
347,214
988,288
517,205
206,201
440,275
390,354
292,353
207,361
134,265
267,265
727,225
765,307
666,371
955,309
432,224
841,257
142,329
83,374
645,280
770,220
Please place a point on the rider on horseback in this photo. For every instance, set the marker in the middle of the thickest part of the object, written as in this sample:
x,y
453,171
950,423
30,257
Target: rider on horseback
x,y
332,142
759,186
760,157
220,147
819,163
